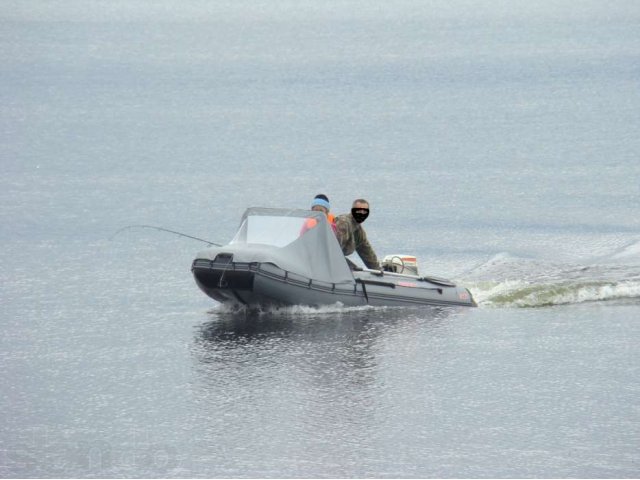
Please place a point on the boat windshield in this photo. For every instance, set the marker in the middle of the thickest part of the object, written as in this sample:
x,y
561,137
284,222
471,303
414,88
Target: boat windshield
x,y
278,231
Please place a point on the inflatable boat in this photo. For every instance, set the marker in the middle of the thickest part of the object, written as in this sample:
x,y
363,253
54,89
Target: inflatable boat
x,y
281,257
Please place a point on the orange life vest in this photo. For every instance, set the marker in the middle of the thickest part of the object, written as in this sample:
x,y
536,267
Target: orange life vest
x,y
312,222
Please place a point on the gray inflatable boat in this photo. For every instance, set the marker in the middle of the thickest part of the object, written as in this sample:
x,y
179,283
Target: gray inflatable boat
x,y
282,257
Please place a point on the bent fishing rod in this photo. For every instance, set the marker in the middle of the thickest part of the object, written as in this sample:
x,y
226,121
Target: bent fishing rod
x,y
162,229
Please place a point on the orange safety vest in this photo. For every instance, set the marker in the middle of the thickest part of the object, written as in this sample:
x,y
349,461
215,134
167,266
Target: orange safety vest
x,y
332,222
312,222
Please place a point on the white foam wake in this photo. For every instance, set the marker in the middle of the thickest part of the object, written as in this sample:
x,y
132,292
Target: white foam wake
x,y
507,281
294,310
527,294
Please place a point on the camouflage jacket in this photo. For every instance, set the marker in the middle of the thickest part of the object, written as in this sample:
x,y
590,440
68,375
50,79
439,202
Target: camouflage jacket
x,y
352,237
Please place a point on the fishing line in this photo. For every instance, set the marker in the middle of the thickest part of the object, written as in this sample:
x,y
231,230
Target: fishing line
x,y
162,229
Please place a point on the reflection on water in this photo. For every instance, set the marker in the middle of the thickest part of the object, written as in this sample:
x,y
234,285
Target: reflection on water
x,y
349,336
392,392
309,383
324,347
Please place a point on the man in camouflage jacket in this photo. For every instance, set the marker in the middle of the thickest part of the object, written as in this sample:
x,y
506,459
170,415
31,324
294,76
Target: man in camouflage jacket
x,y
352,236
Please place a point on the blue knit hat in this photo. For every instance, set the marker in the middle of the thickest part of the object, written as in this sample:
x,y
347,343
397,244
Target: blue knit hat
x,y
321,200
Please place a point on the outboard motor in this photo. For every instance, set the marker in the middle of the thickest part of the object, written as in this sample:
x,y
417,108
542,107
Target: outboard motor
x,y
407,264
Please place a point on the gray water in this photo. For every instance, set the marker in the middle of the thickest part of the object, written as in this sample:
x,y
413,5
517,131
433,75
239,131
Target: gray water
x,y
498,142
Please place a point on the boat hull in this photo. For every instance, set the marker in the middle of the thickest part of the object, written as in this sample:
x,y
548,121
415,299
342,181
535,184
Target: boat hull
x,y
263,284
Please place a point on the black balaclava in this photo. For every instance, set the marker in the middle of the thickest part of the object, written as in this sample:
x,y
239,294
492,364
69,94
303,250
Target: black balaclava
x,y
358,216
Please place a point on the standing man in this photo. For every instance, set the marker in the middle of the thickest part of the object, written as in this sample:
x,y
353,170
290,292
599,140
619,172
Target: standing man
x,y
352,236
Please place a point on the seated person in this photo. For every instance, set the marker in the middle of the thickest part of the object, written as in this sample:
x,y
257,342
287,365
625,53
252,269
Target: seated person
x,y
320,204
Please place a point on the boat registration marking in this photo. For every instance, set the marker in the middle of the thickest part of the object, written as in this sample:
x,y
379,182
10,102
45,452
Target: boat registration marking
x,y
408,284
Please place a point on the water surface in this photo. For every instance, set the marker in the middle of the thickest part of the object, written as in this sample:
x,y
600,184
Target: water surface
x,y
497,143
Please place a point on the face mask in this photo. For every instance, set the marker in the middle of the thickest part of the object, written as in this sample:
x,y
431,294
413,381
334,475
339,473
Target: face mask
x,y
360,214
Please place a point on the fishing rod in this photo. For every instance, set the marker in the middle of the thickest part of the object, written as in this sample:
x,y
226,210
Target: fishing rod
x,y
162,229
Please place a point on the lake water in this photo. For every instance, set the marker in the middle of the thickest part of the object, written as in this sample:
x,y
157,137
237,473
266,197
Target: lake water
x,y
497,142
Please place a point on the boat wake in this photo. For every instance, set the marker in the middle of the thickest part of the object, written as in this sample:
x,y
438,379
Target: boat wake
x,y
529,294
506,281
294,310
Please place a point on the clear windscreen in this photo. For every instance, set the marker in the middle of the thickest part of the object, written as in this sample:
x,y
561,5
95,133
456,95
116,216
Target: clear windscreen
x,y
278,231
